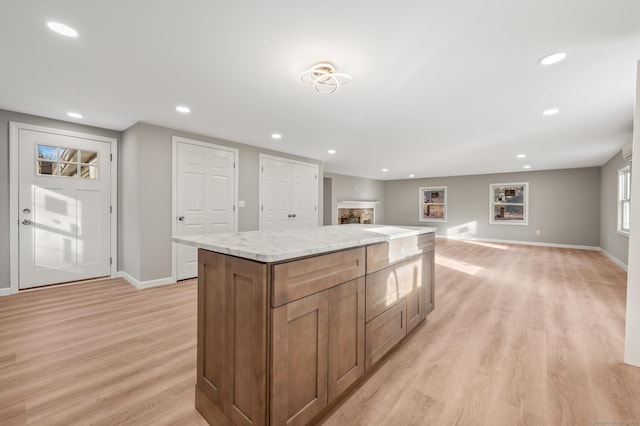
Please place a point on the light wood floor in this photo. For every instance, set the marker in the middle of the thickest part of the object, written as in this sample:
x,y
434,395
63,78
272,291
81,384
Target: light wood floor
x,y
520,335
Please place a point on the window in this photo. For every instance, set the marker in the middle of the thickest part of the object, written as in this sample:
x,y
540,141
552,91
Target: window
x,y
67,162
509,203
433,204
624,199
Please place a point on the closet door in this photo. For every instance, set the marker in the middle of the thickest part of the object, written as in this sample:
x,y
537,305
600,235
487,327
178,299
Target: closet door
x,y
288,194
275,179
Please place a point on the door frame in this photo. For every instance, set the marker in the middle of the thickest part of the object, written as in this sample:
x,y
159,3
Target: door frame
x,y
175,140
14,188
288,160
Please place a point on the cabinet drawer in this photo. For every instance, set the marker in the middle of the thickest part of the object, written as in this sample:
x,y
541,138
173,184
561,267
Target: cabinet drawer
x,y
384,332
390,285
381,255
300,278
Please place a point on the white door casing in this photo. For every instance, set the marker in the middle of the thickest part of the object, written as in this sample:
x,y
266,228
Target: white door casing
x,y
62,199
205,194
288,193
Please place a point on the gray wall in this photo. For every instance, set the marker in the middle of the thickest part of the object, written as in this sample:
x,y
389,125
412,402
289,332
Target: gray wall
x,y
563,204
5,118
613,243
146,201
353,188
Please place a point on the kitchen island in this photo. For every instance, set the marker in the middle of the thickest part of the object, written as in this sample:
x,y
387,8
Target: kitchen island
x,y
289,321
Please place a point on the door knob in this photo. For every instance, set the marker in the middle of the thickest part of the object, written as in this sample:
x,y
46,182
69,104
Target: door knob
x,y
294,215
289,215
26,222
181,218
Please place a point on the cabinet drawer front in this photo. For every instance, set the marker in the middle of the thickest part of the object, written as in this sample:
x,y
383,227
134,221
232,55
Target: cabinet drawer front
x,y
384,332
301,278
381,255
388,286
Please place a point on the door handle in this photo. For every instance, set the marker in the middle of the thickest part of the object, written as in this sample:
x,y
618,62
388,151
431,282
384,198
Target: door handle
x,y
289,215
181,218
26,222
294,215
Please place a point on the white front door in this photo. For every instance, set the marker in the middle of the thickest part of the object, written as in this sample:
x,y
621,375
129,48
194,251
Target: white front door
x,y
64,208
205,197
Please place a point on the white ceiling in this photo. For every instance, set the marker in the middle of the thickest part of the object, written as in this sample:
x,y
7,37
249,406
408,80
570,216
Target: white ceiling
x,y
439,88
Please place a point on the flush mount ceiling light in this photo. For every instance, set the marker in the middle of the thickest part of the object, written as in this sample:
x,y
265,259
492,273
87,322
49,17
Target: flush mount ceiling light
x,y
324,78
554,58
63,29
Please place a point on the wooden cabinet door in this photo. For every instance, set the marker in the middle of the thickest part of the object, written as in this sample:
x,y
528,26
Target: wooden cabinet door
x,y
299,360
232,339
429,282
346,336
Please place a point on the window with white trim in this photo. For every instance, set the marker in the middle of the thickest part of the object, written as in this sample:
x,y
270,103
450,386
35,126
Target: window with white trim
x,y
624,199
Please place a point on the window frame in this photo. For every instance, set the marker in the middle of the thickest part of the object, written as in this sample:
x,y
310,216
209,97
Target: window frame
x,y
624,197
525,203
422,204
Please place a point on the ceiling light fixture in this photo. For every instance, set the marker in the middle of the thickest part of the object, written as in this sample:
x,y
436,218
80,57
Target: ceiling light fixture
x,y
554,58
521,156
551,111
62,29
324,78
332,151
385,170
74,115
276,136
412,175
183,109
526,167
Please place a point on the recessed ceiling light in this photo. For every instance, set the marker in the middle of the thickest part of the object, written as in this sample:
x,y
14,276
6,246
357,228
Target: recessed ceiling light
x,y
74,115
526,167
63,29
412,175
276,136
521,156
183,109
551,111
332,151
385,170
554,58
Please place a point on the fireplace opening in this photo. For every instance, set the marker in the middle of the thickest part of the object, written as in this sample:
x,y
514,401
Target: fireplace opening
x,y
355,215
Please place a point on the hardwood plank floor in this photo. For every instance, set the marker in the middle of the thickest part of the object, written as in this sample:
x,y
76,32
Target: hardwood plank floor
x,y
520,335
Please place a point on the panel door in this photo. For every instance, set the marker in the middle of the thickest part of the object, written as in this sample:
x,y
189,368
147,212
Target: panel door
x,y
205,199
346,336
276,194
299,360
64,201
304,197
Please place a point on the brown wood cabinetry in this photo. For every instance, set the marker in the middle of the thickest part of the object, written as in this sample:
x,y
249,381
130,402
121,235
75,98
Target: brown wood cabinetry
x,y
278,342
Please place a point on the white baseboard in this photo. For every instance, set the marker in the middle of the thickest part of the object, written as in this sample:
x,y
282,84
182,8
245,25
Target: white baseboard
x,y
145,284
524,243
5,291
614,259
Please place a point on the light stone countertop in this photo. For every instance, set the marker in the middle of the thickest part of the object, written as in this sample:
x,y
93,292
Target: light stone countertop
x,y
275,246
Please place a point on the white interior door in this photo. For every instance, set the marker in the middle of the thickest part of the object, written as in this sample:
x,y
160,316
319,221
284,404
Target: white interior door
x,y
64,194
276,194
288,194
205,199
304,198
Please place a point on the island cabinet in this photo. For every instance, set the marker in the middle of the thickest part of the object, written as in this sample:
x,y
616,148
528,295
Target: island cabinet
x,y
279,342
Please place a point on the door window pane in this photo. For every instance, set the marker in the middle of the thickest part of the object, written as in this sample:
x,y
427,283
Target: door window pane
x,y
47,152
68,162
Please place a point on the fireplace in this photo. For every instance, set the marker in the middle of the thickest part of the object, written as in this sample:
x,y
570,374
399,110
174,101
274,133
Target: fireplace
x,y
356,212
